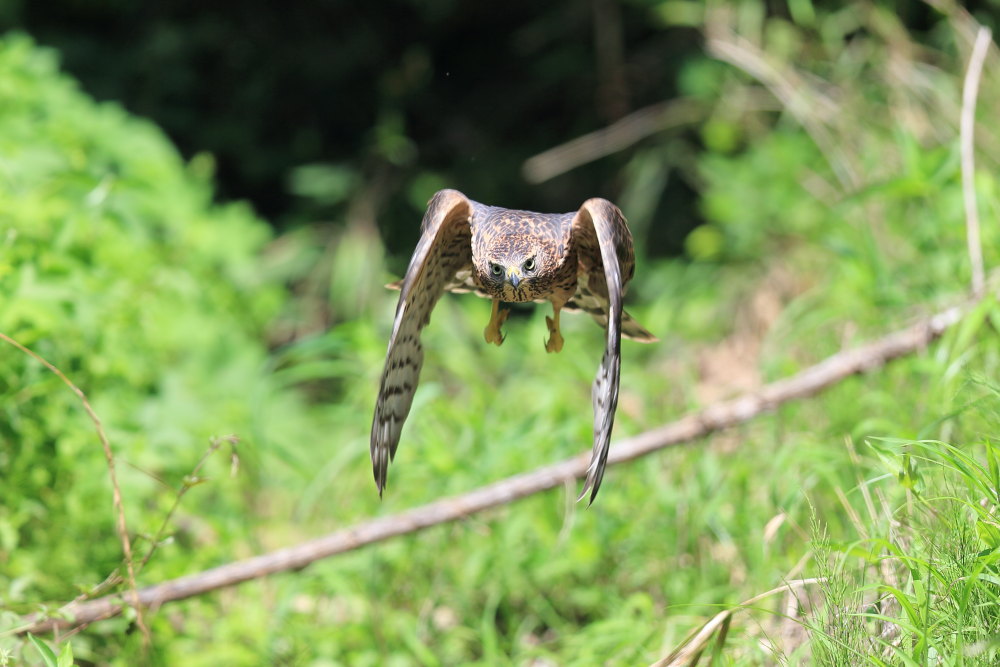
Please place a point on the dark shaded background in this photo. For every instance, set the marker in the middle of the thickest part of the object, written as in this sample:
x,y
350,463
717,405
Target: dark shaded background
x,y
307,106
387,92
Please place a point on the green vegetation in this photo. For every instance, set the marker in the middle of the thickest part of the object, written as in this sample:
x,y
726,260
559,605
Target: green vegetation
x,y
828,221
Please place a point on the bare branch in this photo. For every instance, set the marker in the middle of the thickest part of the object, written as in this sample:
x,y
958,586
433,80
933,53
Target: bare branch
x,y
717,416
627,131
970,91
116,493
616,137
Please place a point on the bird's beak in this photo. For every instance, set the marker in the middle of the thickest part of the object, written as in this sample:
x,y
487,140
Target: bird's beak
x,y
514,276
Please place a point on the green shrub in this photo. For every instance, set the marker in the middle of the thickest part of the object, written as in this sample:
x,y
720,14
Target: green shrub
x,y
116,266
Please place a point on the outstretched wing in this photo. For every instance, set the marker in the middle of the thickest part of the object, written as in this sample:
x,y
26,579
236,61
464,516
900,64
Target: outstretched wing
x,y
461,283
604,246
445,247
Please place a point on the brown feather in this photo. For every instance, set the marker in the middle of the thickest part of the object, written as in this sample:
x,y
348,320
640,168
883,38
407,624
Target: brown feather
x,y
604,244
444,249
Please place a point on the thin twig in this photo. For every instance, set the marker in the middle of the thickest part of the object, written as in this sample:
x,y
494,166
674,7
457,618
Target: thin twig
x,y
685,653
713,418
970,91
116,493
803,100
190,481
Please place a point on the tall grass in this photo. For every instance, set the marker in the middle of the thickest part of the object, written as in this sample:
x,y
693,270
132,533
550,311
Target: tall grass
x,y
920,586
794,262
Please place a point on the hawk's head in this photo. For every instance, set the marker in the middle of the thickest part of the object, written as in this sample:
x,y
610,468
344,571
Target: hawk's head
x,y
516,267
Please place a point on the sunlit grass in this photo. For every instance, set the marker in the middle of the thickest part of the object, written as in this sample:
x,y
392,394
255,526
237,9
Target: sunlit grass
x,y
856,485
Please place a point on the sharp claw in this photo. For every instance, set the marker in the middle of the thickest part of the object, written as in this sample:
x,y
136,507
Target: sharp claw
x,y
494,335
492,331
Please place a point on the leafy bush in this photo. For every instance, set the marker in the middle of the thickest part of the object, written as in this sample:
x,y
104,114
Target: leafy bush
x,y
116,266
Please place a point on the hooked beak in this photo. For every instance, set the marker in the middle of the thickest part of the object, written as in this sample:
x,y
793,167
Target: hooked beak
x,y
513,276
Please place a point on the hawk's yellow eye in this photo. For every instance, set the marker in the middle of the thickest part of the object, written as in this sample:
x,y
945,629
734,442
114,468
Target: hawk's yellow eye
x,y
496,269
530,265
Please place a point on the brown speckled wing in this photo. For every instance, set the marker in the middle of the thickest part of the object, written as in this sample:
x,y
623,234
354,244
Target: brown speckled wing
x,y
444,249
604,246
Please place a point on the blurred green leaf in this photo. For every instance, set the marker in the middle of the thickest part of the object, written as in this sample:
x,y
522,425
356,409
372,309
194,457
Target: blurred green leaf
x,y
704,243
65,655
48,656
681,13
324,183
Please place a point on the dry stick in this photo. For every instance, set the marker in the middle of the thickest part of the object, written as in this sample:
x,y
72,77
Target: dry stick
x,y
717,416
626,132
614,138
687,652
970,91
116,494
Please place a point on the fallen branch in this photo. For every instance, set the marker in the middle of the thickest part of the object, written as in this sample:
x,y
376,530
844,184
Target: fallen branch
x,y
713,418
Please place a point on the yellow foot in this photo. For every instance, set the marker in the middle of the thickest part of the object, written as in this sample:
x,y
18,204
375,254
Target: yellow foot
x,y
555,341
492,331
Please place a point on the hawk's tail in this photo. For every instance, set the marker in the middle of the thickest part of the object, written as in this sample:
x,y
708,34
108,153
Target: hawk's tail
x,y
635,331
593,307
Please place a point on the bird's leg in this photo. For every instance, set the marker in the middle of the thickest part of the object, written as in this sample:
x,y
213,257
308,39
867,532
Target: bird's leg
x,y
555,341
497,318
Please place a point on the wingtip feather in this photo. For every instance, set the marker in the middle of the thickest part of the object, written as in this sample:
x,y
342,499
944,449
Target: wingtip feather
x,y
592,487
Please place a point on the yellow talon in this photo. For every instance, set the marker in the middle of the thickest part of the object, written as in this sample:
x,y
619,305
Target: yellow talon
x,y
492,331
555,341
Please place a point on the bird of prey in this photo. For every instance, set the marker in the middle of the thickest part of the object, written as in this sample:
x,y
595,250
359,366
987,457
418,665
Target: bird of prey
x,y
577,261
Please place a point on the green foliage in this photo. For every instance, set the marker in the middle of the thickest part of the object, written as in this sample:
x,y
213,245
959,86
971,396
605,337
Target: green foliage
x,y
118,267
932,564
389,92
64,659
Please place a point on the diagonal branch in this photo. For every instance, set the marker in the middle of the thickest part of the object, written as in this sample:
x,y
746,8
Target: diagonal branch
x,y
715,417
628,131
612,139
